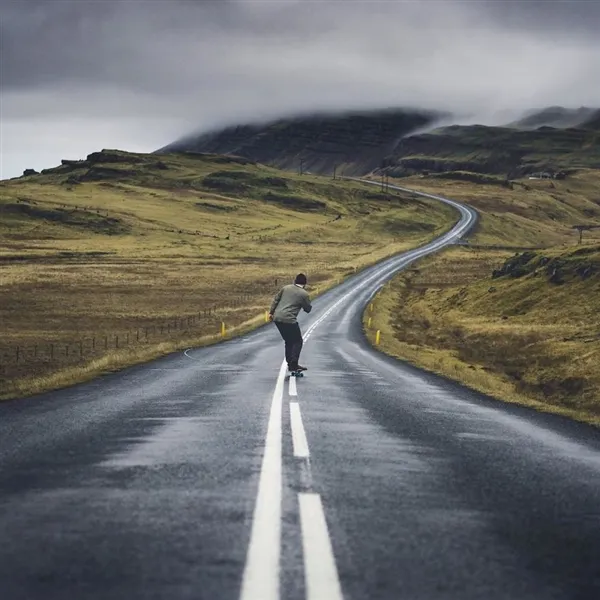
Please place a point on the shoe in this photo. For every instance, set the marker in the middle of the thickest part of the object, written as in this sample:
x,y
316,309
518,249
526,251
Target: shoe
x,y
301,368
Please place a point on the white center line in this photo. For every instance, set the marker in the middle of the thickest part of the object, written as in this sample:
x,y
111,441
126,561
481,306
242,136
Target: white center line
x,y
322,580
293,388
298,434
261,573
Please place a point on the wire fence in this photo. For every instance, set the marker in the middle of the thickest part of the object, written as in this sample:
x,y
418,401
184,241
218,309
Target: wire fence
x,y
45,357
152,331
98,344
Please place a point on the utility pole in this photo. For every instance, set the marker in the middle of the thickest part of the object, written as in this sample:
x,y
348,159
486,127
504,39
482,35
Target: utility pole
x,y
334,170
582,228
301,166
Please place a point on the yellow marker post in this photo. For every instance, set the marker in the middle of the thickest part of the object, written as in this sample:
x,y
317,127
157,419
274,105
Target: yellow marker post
x,y
266,316
222,329
371,307
378,337
369,322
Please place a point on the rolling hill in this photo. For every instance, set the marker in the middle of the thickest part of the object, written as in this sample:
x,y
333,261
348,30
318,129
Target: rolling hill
x,y
522,328
122,257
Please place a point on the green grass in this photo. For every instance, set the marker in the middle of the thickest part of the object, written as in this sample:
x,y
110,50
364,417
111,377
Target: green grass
x,y
112,260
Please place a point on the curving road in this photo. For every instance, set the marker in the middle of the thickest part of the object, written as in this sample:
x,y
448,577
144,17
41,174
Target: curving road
x,y
210,475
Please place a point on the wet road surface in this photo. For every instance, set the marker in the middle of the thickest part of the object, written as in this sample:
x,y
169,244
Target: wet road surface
x,y
212,475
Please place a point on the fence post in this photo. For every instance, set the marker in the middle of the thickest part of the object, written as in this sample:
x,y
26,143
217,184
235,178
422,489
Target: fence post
x,y
222,329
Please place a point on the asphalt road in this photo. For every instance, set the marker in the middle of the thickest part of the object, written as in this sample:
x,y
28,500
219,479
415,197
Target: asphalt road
x,y
210,475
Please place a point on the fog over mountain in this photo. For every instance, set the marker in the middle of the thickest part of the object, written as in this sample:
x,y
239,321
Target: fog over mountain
x,y
79,76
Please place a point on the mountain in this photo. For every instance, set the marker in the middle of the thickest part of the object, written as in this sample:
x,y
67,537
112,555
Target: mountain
x,y
557,117
494,150
593,122
355,143
407,142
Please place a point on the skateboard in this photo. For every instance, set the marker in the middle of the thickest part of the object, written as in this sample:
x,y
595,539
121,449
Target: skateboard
x,y
297,373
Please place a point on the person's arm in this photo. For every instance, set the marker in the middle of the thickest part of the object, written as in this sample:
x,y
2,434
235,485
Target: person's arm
x,y
306,305
275,303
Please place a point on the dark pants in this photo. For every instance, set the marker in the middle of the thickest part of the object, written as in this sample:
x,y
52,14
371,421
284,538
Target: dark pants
x,y
292,336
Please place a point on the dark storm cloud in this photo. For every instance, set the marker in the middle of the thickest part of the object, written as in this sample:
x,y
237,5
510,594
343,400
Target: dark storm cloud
x,y
76,75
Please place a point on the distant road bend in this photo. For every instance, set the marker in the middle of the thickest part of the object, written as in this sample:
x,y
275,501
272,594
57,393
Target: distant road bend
x,y
211,475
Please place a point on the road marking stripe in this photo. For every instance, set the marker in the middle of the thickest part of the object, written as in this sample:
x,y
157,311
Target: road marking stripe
x,y
261,572
298,433
293,388
320,571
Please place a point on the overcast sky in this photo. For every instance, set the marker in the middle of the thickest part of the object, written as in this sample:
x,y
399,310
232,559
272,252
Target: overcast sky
x,y
80,75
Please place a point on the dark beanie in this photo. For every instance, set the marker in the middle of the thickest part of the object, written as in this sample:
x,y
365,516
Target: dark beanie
x,y
300,279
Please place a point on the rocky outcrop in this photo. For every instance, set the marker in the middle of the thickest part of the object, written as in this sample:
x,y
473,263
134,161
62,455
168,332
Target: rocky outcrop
x,y
558,269
515,266
28,172
114,156
77,164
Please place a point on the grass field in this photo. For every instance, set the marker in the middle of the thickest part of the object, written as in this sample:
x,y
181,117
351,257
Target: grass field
x,y
124,257
529,336
531,213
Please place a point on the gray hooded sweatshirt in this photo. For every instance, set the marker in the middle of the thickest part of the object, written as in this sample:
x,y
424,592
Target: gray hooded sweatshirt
x,y
288,302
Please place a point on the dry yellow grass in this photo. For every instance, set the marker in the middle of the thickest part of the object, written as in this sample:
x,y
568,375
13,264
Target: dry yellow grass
x,y
533,213
525,340
531,340
103,273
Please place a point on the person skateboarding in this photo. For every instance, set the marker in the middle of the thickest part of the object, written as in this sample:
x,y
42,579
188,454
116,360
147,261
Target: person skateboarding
x,y
284,312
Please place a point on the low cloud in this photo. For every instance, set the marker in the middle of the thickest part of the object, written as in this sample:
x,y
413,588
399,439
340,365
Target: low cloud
x,y
78,76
